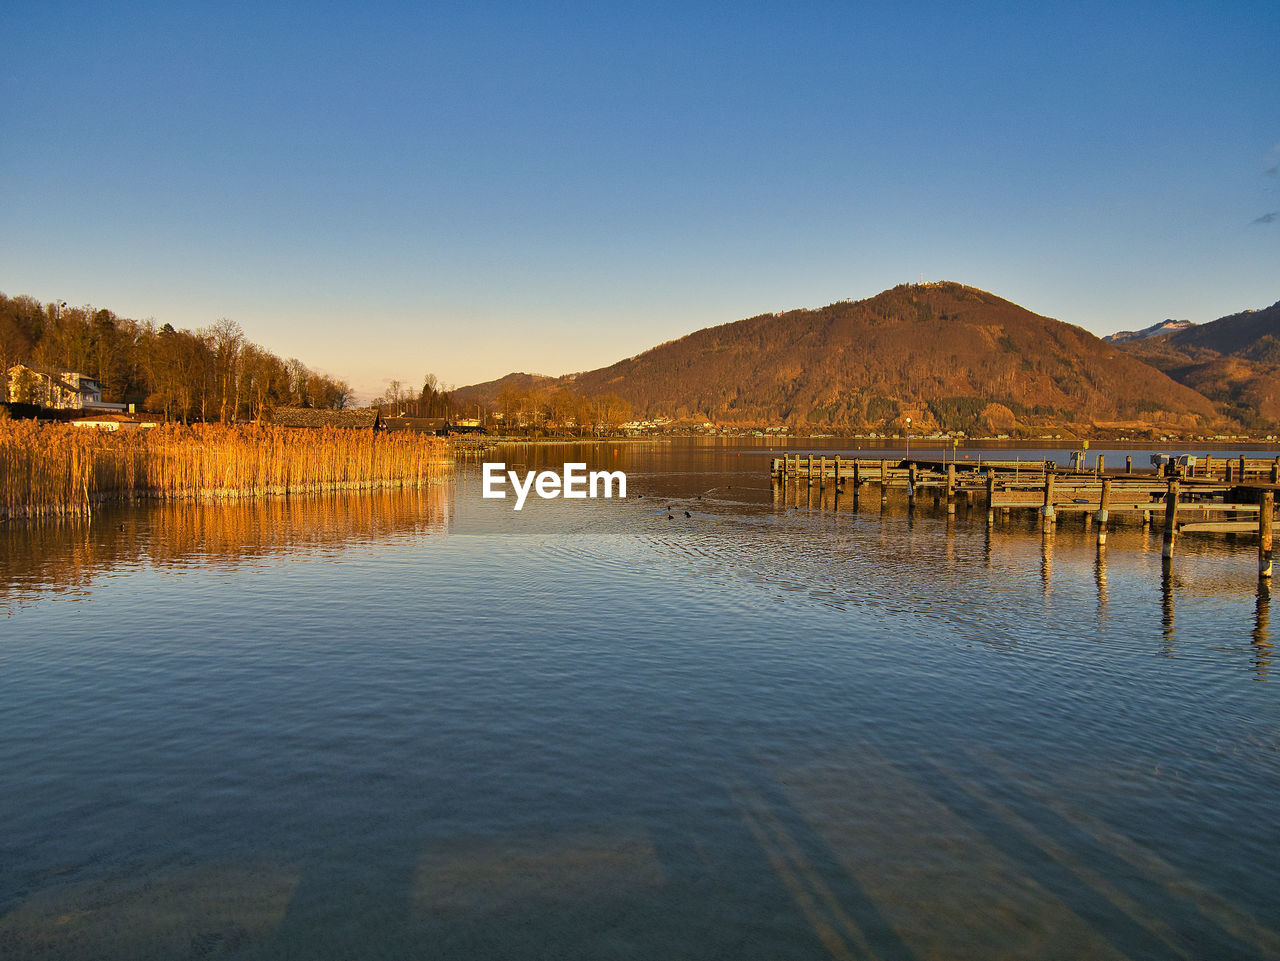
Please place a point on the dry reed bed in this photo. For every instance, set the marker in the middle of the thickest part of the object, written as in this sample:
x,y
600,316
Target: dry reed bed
x,y
61,470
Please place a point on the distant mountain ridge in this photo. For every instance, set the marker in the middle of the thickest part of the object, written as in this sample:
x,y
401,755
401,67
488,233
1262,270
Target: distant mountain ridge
x,y
1234,361
1155,330
945,354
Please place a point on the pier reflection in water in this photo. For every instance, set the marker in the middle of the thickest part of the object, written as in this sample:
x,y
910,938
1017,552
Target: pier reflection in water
x,y
710,720
1262,642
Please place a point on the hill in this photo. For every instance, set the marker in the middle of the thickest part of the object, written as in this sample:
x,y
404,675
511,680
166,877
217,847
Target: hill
x,y
945,354
1234,361
489,391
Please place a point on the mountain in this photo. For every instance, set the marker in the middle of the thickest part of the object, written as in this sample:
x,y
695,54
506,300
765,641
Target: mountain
x,y
489,391
1155,330
945,354
1234,361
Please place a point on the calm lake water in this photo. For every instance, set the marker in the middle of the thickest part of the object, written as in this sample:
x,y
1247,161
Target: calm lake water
x,y
423,725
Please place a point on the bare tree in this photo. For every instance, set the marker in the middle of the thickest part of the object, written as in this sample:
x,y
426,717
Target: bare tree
x,y
227,340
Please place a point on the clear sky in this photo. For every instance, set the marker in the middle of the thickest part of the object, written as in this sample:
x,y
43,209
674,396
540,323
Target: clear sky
x,y
386,189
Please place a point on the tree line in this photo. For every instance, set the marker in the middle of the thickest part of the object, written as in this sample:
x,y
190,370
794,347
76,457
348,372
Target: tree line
x,y
431,400
558,410
212,374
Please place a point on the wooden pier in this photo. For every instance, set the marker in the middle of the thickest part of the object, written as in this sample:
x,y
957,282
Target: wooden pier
x,y
1214,495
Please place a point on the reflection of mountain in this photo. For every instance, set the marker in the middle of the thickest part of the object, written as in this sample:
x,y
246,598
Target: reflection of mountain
x,y
67,558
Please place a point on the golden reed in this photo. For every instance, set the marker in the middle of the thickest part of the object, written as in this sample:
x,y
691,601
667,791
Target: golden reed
x,y
62,470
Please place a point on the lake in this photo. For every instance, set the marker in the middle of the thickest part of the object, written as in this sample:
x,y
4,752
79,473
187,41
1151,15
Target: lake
x,y
424,725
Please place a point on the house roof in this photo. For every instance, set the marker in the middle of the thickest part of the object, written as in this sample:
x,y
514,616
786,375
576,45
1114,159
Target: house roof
x,y
361,418
117,418
415,423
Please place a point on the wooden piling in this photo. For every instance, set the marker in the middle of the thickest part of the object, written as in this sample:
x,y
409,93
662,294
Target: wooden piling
x,y
1103,503
884,481
991,497
1047,510
951,488
822,472
1170,520
1101,468
1275,471
1264,534
1128,465
911,484
1242,467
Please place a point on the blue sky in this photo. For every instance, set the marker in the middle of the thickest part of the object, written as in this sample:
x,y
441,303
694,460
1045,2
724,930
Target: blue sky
x,y
471,189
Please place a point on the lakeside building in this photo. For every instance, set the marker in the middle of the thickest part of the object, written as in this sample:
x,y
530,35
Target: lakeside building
x,y
56,390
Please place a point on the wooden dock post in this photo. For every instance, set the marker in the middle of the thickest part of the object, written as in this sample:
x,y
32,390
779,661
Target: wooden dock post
x,y
1242,468
810,471
991,496
1128,465
1264,534
911,485
822,472
857,476
951,488
1275,471
1103,503
837,472
1170,520
884,481
1047,509
1101,468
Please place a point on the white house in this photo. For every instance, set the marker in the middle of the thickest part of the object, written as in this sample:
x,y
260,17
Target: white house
x,y
67,390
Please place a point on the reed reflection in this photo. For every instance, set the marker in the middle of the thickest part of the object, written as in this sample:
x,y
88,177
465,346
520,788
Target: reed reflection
x,y
67,557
